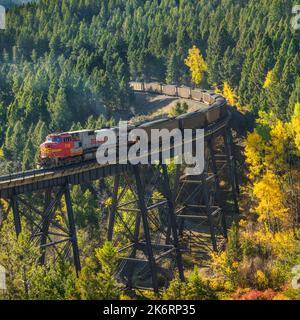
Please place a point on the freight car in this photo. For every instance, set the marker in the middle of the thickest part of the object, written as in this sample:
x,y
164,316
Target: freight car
x,y
169,90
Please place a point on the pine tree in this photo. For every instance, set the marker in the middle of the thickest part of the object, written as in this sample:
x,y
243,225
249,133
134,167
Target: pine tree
x,y
19,256
172,70
61,113
94,284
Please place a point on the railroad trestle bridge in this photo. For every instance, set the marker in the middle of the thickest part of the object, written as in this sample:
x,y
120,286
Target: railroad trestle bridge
x,y
168,214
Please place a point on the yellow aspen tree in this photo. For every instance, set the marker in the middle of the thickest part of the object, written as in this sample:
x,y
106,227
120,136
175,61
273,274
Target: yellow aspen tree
x,y
269,80
270,208
268,119
275,155
272,143
197,65
230,94
254,151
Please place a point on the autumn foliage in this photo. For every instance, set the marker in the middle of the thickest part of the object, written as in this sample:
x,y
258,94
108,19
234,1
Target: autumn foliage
x,y
263,247
197,65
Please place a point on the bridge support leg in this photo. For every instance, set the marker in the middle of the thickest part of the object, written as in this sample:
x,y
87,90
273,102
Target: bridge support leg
x,y
72,230
231,143
172,220
112,213
175,191
45,226
134,249
217,184
231,167
144,214
16,213
209,212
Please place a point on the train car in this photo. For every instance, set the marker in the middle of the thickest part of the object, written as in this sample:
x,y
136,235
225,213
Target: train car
x,y
217,110
165,123
61,146
184,92
153,87
197,94
137,86
116,131
207,97
87,138
212,115
169,90
76,146
221,103
224,110
67,148
192,120
58,147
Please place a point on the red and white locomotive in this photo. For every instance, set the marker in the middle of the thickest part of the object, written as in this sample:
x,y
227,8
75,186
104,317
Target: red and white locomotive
x,y
67,148
73,147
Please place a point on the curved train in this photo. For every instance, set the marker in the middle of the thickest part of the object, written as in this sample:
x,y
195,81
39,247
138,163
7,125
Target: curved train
x,y
80,146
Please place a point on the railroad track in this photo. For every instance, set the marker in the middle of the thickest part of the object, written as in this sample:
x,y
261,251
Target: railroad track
x,y
212,112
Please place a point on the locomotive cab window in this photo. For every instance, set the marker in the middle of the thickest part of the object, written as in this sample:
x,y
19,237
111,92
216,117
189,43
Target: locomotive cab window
x,y
53,139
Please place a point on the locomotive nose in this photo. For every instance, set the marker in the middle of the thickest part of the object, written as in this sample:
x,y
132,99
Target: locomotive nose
x,y
46,148
48,145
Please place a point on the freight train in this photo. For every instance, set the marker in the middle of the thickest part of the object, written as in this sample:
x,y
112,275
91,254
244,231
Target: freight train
x,y
80,146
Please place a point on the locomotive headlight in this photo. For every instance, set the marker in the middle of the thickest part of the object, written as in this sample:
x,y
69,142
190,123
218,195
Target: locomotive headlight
x,y
46,149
